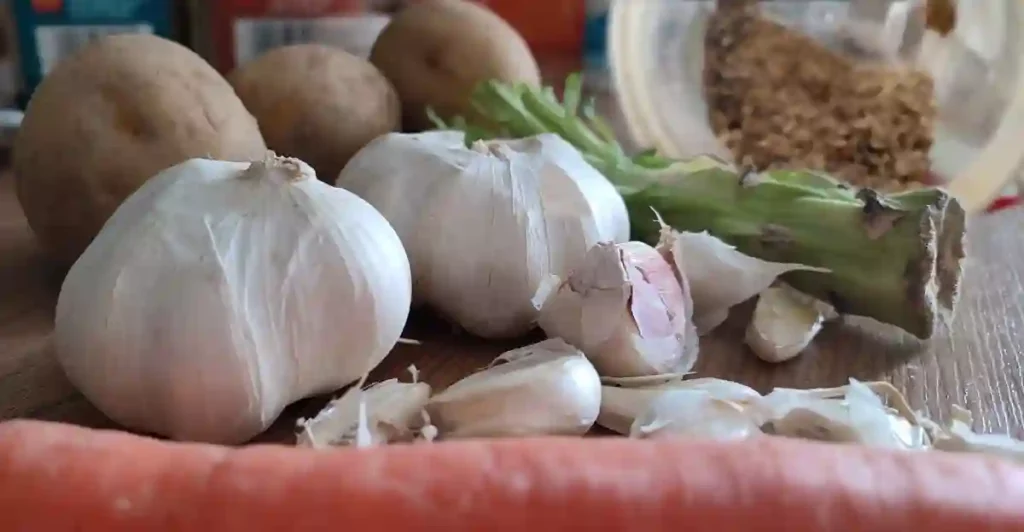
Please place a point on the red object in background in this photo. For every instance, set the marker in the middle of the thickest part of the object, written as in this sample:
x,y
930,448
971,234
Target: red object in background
x,y
1003,203
47,6
998,204
223,18
549,26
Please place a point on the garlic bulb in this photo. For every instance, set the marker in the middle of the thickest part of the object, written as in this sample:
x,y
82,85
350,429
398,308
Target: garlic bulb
x,y
220,292
485,225
548,388
626,310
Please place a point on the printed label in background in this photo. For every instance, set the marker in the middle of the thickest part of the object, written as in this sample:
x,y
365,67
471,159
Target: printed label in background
x,y
50,30
232,32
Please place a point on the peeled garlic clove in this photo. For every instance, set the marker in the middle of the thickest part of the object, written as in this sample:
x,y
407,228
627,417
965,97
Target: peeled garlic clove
x,y
621,406
393,412
720,277
694,413
625,309
552,389
783,325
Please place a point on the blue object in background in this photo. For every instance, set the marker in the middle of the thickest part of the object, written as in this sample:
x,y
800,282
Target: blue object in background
x,y
50,31
595,56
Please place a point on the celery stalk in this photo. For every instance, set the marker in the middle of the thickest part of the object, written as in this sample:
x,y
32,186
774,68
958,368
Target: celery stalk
x,y
894,258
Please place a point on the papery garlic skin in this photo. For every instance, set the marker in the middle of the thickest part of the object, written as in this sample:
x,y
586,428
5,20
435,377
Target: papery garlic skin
x,y
719,275
694,413
221,292
626,310
858,416
548,388
393,412
484,226
621,406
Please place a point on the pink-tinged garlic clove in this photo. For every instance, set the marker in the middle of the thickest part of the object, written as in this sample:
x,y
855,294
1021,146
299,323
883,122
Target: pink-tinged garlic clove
x,y
626,310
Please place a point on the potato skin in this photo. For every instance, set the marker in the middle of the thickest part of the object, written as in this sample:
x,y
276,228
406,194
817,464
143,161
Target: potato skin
x,y
110,117
436,52
318,103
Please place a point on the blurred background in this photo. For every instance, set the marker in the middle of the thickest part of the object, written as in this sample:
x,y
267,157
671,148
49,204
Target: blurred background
x,y
648,71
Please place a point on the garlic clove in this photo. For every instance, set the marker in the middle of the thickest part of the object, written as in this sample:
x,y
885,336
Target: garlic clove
x,y
392,410
694,413
783,324
620,407
719,276
548,388
625,309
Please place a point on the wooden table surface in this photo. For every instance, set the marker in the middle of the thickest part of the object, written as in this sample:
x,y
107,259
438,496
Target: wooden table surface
x,y
975,364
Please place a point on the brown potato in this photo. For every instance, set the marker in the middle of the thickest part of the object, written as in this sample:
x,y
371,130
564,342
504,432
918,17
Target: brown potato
x,y
318,103
436,52
110,117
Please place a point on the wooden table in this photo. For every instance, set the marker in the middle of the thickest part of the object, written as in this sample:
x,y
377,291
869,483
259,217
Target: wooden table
x,y
975,364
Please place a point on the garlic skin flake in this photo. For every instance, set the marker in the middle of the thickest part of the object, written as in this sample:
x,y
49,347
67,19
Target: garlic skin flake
x,y
393,410
485,226
548,388
625,309
220,292
783,324
621,406
719,275
694,413
958,437
858,416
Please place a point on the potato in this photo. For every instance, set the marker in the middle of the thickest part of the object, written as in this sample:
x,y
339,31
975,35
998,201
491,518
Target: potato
x,y
436,52
110,117
318,103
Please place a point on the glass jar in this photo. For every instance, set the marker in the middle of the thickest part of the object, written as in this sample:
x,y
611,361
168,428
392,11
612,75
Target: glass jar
x,y
656,52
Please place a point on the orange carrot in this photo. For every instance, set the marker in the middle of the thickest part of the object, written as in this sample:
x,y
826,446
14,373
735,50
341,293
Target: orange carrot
x,y
59,477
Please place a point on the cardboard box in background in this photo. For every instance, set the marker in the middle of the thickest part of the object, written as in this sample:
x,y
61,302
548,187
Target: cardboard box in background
x,y
232,32
49,30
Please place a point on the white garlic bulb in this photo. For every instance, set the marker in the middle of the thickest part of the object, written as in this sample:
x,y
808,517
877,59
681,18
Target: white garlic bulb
x,y
221,292
485,225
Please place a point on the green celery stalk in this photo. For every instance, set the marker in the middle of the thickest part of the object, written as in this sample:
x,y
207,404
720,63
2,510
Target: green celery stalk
x,y
895,258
